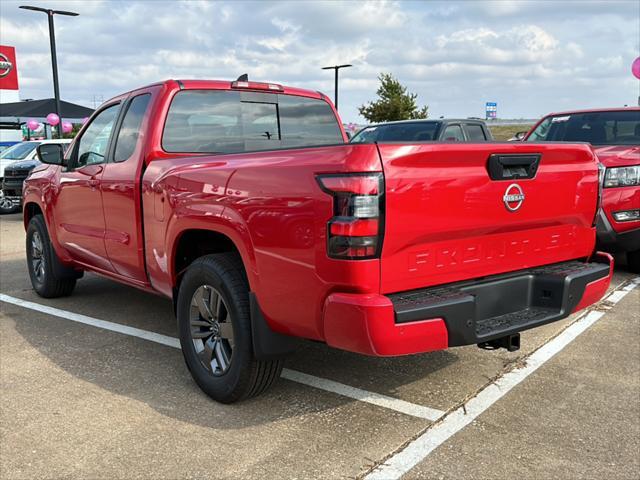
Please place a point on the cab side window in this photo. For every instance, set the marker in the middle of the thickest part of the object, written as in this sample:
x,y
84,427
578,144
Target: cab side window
x,y
453,133
127,138
92,147
475,133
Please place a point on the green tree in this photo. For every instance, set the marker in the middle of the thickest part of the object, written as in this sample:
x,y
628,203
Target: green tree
x,y
394,103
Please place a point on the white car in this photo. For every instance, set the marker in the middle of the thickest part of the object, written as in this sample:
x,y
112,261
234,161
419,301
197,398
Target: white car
x,y
25,155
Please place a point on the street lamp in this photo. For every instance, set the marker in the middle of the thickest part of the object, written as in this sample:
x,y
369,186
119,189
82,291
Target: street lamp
x,y
336,68
54,61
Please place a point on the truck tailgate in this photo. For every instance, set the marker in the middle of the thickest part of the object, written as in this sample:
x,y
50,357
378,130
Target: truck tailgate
x,y
447,220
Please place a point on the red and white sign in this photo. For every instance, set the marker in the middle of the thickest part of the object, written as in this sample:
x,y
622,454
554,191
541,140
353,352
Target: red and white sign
x,y
8,68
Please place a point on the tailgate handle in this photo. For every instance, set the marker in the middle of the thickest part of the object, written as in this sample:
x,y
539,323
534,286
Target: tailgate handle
x,y
513,166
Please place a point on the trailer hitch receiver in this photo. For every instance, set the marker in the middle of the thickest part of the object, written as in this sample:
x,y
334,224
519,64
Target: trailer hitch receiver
x,y
510,342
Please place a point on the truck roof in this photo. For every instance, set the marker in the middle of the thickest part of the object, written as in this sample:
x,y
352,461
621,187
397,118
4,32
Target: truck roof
x,y
195,84
594,110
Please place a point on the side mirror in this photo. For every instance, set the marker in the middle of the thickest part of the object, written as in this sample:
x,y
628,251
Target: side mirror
x,y
50,153
520,136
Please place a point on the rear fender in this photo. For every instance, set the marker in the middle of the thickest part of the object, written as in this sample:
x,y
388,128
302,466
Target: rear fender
x,y
214,218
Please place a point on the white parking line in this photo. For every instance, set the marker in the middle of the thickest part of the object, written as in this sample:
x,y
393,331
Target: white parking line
x,y
619,293
295,376
94,322
363,395
417,450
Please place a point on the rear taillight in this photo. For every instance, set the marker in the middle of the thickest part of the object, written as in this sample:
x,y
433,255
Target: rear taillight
x,y
355,230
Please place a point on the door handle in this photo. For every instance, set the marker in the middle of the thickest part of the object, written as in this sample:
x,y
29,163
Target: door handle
x,y
90,170
514,166
93,182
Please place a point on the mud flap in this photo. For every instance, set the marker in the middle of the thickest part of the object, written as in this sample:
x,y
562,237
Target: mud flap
x,y
267,344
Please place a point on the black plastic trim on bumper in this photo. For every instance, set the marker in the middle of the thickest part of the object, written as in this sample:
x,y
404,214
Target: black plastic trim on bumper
x,y
500,305
611,241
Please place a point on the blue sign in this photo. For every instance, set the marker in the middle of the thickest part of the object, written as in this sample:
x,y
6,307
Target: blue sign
x,y
491,110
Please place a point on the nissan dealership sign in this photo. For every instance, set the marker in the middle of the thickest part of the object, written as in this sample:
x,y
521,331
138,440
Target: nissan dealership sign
x,y
9,91
5,65
8,74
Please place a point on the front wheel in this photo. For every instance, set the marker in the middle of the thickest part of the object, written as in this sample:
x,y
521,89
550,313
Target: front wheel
x,y
214,326
49,278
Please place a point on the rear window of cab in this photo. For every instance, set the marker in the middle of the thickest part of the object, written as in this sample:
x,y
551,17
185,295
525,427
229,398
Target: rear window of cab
x,y
227,121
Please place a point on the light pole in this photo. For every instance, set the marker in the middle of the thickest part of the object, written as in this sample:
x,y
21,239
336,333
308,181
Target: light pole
x,y
336,68
54,60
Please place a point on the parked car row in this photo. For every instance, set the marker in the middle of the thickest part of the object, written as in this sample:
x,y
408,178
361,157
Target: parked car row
x,y
445,130
16,162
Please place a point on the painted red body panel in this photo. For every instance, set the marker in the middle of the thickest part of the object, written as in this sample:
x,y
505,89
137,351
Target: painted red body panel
x,y
366,324
596,290
444,222
621,198
455,226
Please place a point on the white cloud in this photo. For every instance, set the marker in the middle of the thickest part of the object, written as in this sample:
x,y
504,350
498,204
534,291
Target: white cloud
x,y
529,57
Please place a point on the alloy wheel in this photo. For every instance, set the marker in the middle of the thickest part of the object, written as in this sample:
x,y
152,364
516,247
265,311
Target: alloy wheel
x,y
37,256
211,329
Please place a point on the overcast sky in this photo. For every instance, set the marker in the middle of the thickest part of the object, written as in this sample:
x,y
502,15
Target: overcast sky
x,y
530,57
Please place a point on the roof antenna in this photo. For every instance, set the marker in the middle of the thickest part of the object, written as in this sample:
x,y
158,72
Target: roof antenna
x,y
243,78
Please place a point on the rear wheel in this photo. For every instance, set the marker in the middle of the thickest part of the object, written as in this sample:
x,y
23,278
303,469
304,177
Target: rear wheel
x,y
633,261
214,326
49,277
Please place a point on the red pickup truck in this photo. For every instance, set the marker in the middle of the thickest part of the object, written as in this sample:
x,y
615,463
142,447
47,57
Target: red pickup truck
x,y
242,202
615,136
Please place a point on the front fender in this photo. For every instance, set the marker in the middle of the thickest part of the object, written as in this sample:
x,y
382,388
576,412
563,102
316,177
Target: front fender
x,y
38,191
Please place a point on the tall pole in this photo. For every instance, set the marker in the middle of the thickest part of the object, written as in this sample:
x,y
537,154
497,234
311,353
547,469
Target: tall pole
x,y
335,68
54,59
335,89
54,66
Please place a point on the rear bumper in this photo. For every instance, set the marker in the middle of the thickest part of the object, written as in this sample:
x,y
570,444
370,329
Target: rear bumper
x,y
612,241
464,313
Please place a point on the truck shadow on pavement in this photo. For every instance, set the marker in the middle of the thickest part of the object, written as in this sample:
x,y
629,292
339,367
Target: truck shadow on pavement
x,y
157,376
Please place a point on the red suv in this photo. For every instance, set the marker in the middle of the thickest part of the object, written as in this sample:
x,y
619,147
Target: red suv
x,y
615,136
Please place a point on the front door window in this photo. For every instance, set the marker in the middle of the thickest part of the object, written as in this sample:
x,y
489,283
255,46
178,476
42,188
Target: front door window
x,y
92,147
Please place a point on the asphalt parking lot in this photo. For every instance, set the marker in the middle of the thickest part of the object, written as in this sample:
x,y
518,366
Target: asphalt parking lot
x,y
84,396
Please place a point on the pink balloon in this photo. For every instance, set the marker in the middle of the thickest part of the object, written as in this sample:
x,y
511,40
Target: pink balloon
x,y
635,68
32,125
66,127
53,119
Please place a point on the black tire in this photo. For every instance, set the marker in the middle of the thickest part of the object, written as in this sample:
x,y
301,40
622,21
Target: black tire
x,y
633,261
50,279
222,275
